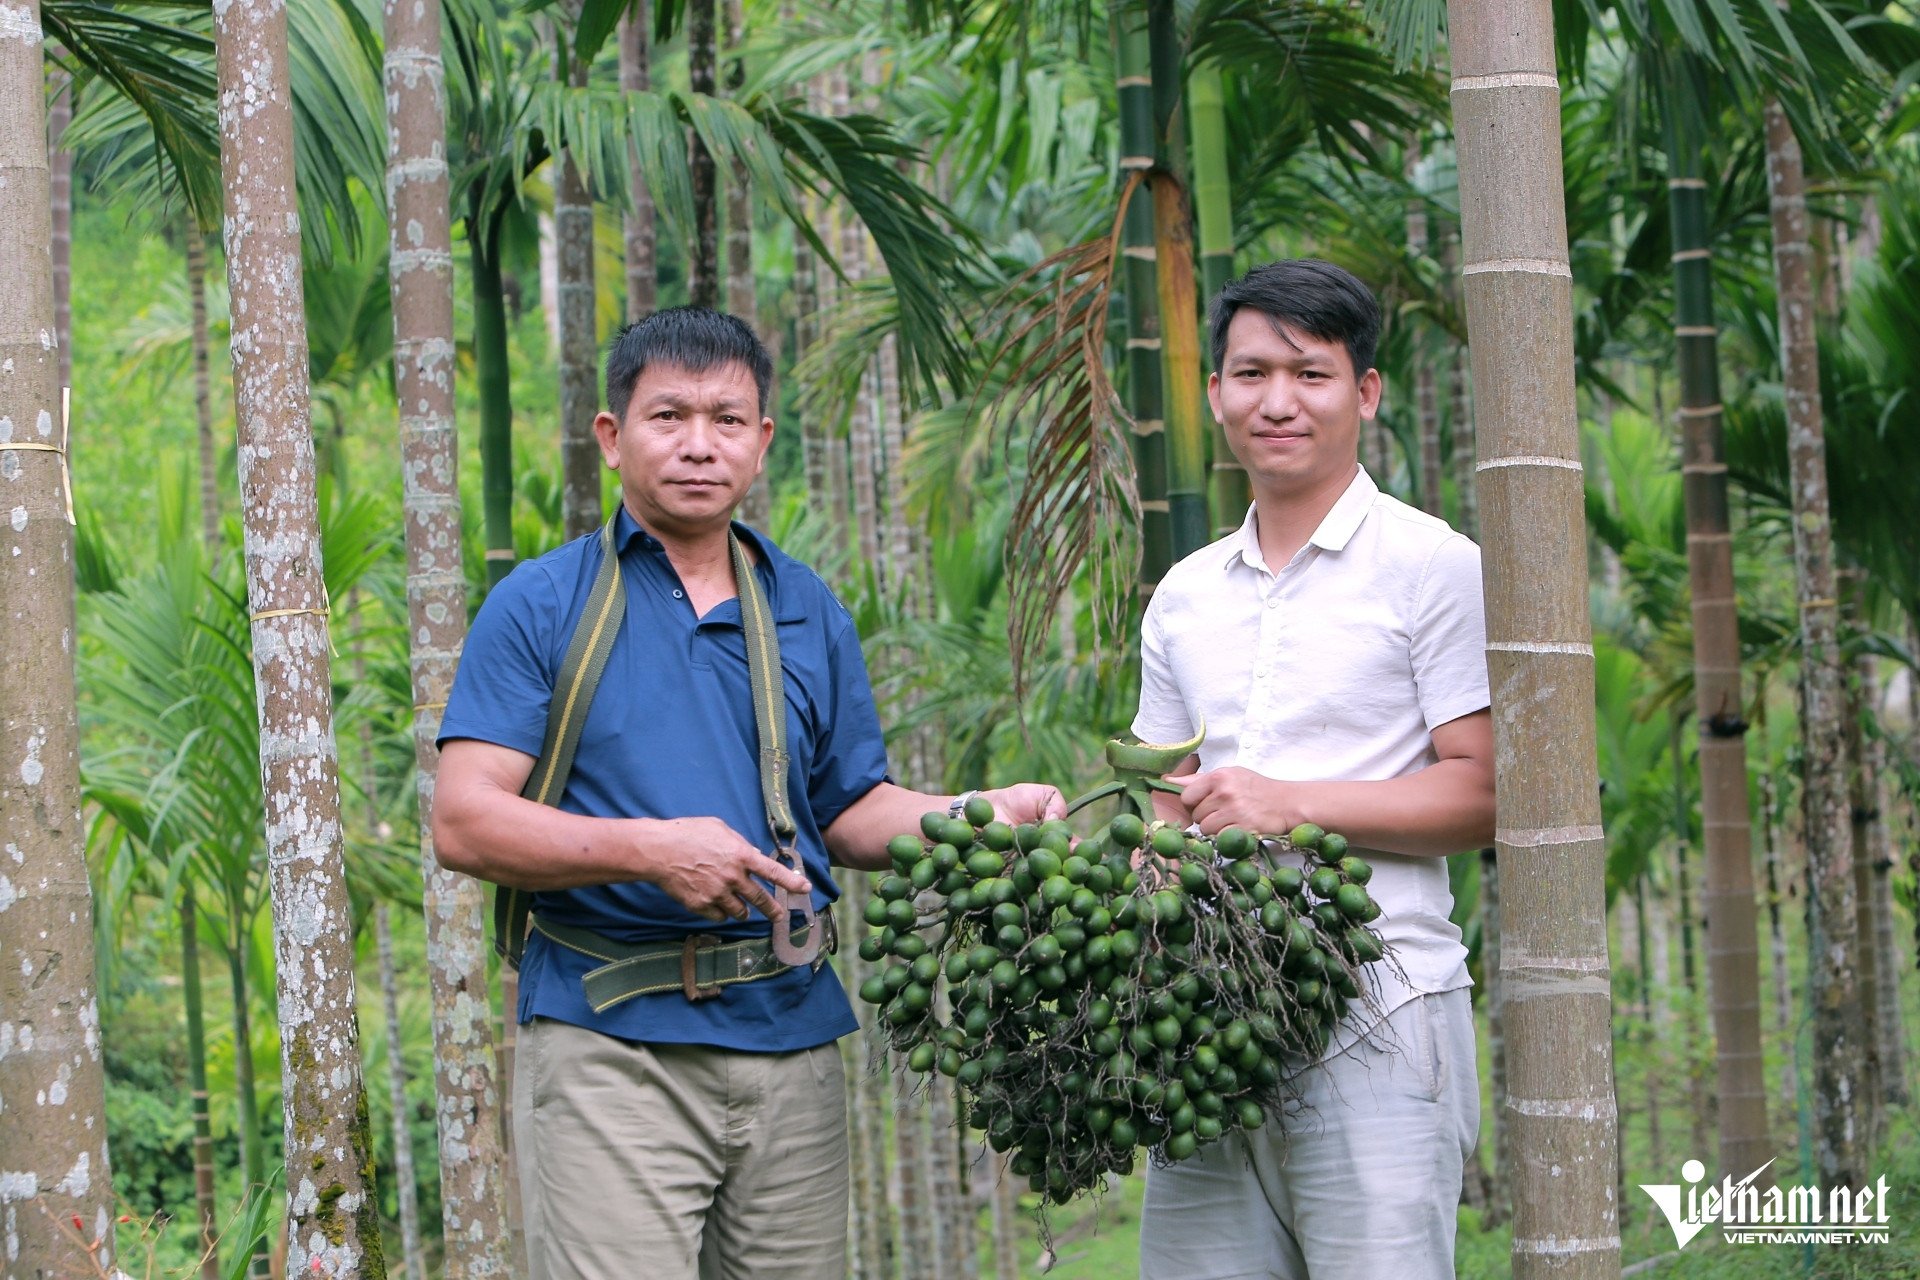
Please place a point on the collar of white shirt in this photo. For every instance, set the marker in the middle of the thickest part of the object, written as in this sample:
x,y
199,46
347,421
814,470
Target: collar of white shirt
x,y
1335,530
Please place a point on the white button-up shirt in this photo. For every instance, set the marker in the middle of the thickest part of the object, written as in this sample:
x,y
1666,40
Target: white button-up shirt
x,y
1335,667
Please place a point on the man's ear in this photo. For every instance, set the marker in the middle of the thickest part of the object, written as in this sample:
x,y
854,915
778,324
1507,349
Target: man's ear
x,y
606,429
1213,397
1369,394
766,444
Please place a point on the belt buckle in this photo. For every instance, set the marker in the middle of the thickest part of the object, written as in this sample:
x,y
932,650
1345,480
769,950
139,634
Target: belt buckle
x,y
785,950
690,966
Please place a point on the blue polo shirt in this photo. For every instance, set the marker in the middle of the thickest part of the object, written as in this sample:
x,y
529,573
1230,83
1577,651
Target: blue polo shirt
x,y
671,734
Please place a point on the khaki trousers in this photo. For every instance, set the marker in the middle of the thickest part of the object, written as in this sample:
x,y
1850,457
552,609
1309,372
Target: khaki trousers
x,y
678,1162
1364,1183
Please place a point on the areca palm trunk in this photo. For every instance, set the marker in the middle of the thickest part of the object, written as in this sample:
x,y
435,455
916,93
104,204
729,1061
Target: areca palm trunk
x,y
1777,938
757,507
1552,851
703,271
1733,949
1459,406
60,90
1213,218
1186,432
1426,397
1870,974
1832,984
203,388
469,1096
638,222
55,1151
1005,1211
579,345
1498,1199
1890,1033
910,1199
491,374
246,1100
412,1264
192,996
1139,281
330,1188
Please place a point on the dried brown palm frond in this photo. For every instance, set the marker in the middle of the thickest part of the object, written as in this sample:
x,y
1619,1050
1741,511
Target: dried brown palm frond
x,y
1078,506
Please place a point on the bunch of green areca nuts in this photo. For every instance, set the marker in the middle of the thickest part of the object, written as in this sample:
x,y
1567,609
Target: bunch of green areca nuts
x,y
1141,988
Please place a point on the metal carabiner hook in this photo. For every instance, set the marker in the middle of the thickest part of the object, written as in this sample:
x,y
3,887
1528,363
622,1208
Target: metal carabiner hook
x,y
785,950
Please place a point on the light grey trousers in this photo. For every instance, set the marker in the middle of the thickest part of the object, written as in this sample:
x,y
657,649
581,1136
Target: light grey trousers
x,y
1363,1183
678,1162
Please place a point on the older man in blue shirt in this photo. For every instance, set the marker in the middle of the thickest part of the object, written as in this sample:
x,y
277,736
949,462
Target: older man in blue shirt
x,y
696,1131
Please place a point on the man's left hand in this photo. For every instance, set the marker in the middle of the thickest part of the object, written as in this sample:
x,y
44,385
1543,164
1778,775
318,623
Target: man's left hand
x,y
1236,797
1026,802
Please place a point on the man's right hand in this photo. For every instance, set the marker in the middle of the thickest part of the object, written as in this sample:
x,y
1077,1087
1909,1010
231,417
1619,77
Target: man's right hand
x,y
705,866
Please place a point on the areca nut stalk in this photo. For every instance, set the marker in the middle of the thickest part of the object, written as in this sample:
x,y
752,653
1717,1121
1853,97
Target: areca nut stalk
x,y
467,1093
1518,288
56,1192
1145,395
1832,987
1733,948
333,1218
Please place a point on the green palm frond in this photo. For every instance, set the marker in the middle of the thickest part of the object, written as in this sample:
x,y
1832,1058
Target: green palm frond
x,y
157,55
156,136
1077,506
1320,68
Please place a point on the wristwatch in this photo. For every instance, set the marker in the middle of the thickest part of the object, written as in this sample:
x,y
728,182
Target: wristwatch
x,y
960,803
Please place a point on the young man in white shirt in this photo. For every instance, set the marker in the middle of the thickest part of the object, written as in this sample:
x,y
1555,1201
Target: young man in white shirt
x,y
1333,646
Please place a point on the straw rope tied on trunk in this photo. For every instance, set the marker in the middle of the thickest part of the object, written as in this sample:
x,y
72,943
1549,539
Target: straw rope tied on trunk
x,y
660,741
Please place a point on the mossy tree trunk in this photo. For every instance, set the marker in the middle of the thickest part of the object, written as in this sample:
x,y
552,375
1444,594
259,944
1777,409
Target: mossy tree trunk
x,y
1518,288
56,1189
333,1224
1833,985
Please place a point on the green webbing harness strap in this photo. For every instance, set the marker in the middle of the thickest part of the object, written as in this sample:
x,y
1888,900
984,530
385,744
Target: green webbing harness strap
x,y
573,692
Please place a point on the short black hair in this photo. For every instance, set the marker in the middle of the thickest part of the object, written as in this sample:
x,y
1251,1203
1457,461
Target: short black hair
x,y
1317,298
694,338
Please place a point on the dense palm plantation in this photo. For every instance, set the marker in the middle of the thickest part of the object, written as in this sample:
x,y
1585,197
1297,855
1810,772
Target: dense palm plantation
x,y
1650,277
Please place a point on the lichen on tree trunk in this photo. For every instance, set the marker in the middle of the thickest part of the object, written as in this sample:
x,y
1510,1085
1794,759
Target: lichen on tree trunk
x,y
56,1195
333,1225
468,1093
1832,987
